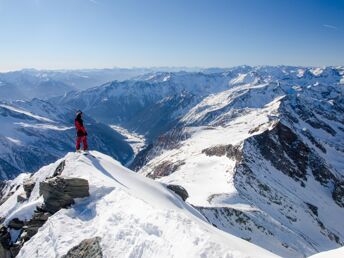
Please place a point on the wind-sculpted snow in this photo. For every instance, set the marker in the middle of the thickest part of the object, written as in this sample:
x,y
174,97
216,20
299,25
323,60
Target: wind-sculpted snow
x,y
131,215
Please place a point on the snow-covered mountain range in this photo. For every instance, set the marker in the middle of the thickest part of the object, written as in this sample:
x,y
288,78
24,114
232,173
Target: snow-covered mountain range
x,y
260,150
35,133
44,84
263,159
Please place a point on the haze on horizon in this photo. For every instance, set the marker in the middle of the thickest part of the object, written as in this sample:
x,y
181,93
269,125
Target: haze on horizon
x,y
73,34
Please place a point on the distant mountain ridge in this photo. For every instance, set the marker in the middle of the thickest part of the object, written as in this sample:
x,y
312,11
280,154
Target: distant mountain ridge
x,y
260,150
32,83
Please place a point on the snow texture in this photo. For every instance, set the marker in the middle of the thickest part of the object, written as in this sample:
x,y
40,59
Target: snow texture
x,y
134,216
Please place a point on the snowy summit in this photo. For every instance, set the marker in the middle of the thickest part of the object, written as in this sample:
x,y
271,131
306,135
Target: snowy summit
x,y
125,215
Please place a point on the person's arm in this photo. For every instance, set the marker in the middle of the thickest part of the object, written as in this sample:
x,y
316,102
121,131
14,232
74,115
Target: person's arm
x,y
79,127
84,130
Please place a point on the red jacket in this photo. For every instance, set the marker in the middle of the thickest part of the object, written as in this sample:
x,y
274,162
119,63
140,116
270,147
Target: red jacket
x,y
79,125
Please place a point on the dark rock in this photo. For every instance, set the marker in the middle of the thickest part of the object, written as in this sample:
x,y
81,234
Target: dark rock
x,y
320,170
60,168
5,242
28,186
88,248
313,208
281,142
313,140
141,158
220,150
179,190
167,141
5,253
38,219
31,227
308,116
59,192
338,193
165,168
254,130
21,198
16,224
15,248
2,187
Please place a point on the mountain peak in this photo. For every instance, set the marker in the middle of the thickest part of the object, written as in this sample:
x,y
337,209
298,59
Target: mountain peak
x,y
129,213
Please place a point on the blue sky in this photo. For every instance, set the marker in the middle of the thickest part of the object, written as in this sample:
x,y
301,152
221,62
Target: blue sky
x,y
56,34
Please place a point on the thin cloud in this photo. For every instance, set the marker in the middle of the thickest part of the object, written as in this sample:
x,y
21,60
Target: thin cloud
x,y
329,26
94,1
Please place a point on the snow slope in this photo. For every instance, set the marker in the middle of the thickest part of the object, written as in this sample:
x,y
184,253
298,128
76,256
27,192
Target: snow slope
x,y
336,253
267,153
134,216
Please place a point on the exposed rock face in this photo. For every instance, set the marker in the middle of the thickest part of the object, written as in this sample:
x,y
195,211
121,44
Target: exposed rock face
x,y
164,169
5,240
31,227
290,155
306,115
220,150
313,208
338,194
60,168
289,134
28,186
16,224
179,190
11,247
6,190
141,158
21,198
279,143
59,192
2,186
166,141
88,248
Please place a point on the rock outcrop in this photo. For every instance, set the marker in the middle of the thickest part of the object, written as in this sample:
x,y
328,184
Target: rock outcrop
x,y
179,190
28,186
5,242
164,169
338,194
16,224
31,227
88,248
59,192
58,171
221,150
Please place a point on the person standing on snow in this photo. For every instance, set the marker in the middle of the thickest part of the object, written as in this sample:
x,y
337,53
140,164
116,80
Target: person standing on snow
x,y
80,131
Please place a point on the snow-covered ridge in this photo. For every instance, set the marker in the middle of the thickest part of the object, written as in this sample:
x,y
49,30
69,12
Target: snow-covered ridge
x,y
335,253
134,216
259,149
27,113
240,158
